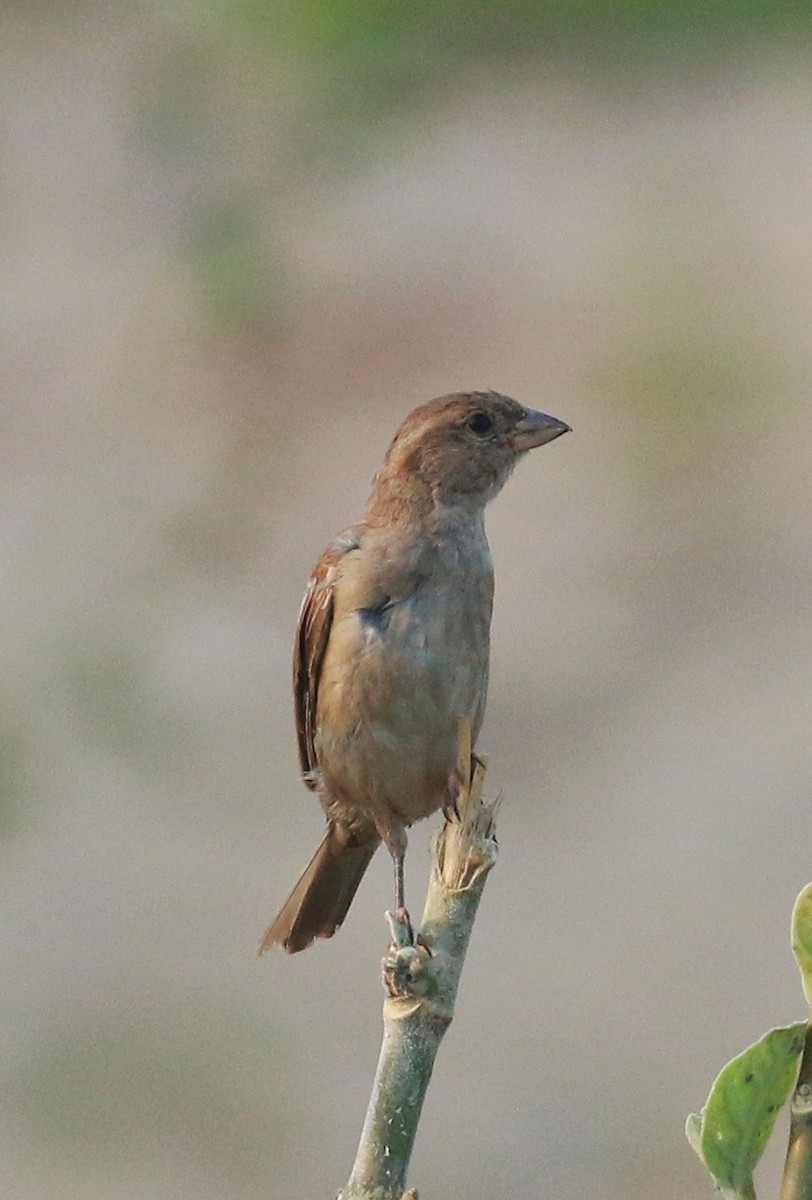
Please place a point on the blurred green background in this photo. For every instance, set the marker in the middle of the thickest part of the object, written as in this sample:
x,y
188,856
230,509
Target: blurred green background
x,y
239,242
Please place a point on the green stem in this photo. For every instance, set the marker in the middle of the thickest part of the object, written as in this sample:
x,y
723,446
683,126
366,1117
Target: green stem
x,y
421,979
402,1077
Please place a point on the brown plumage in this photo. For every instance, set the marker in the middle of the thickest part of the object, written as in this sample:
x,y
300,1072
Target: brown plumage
x,y
392,646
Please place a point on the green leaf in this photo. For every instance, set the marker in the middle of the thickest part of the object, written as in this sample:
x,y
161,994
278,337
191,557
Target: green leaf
x,y
802,938
730,1133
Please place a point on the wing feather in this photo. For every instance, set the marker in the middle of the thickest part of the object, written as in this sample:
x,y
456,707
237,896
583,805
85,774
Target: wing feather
x,y
312,635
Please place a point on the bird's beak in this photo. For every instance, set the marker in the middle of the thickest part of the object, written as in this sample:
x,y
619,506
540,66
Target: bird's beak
x,y
536,428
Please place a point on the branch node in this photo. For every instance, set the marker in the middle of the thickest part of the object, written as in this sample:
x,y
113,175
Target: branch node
x,y
405,972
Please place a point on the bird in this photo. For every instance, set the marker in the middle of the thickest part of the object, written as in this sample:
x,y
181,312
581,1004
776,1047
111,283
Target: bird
x,y
392,647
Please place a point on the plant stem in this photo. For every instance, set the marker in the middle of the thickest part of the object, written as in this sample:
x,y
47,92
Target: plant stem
x,y
421,977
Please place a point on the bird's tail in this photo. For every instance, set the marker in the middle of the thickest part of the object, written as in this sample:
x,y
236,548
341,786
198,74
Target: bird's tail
x,y
318,904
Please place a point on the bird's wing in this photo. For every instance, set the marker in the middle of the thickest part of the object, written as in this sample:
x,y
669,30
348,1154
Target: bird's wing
x,y
312,634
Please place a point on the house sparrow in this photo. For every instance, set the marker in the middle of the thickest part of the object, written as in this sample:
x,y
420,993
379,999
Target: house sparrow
x,y
392,646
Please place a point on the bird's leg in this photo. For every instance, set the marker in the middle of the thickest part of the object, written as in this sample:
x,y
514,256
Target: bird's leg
x,y
401,911
394,837
400,889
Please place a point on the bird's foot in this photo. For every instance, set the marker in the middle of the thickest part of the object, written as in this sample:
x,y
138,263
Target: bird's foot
x,y
404,965
400,923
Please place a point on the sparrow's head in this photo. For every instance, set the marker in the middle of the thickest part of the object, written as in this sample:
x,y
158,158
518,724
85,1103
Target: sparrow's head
x,y
463,447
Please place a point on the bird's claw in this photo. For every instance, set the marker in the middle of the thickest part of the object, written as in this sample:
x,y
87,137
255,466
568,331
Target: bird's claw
x,y
421,944
451,796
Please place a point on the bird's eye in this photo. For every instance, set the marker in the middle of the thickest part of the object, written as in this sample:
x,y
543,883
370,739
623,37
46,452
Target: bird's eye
x,y
480,423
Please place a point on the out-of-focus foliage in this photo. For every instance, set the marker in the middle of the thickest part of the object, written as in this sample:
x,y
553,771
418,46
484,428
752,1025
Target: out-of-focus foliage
x,y
365,35
692,362
319,82
243,287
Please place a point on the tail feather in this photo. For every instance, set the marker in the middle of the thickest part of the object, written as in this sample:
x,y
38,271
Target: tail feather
x,y
319,902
